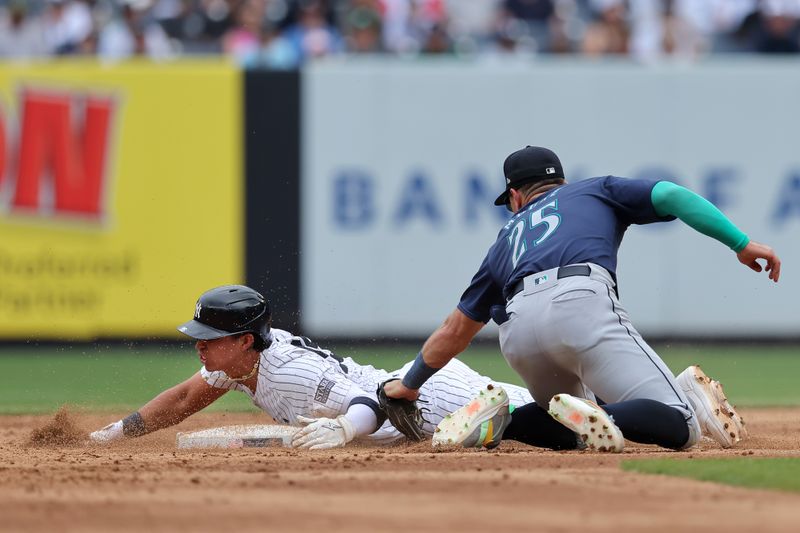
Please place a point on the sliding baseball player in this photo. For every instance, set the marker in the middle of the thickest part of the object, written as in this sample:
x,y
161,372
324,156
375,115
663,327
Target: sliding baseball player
x,y
292,379
296,382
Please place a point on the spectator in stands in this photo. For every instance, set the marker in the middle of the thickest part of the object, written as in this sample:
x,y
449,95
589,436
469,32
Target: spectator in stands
x,y
511,38
134,32
276,51
363,26
243,40
472,23
778,29
216,18
181,20
400,34
437,41
285,33
21,36
505,38
536,16
312,35
609,32
408,23
714,24
658,30
68,23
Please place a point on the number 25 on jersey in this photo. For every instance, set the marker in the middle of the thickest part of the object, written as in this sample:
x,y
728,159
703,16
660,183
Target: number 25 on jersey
x,y
547,216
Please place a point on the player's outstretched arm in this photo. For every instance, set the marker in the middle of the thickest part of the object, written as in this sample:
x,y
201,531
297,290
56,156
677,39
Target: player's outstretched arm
x,y
449,340
700,214
167,409
754,251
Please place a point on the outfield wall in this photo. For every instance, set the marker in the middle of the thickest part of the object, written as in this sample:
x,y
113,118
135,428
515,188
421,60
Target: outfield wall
x,y
357,195
121,194
401,163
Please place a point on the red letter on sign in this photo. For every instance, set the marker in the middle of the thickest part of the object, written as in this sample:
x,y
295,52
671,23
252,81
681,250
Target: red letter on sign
x,y
75,157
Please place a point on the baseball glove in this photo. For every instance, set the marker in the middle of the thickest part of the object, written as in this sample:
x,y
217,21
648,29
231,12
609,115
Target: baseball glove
x,y
403,414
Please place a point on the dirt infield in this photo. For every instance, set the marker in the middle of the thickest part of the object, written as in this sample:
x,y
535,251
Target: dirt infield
x,y
147,485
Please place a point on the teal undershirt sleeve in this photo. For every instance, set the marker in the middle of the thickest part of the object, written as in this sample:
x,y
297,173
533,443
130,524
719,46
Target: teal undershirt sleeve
x,y
698,213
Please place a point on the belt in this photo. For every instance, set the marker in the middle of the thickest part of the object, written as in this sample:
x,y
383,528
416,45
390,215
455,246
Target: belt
x,y
563,272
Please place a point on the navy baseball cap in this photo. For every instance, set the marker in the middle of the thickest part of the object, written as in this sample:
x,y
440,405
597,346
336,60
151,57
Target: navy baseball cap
x,y
531,164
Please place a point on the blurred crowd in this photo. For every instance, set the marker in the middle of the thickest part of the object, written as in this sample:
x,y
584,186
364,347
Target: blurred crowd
x,y
286,33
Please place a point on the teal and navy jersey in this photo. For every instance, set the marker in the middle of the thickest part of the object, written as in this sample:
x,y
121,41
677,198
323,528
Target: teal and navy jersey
x,y
580,222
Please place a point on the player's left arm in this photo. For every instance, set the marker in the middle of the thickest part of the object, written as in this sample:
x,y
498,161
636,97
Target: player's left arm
x,y
670,199
449,340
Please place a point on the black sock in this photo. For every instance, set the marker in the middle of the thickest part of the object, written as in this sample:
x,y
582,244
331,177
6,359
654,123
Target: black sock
x,y
532,425
650,422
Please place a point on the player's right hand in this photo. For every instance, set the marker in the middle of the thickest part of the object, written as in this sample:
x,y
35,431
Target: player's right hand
x,y
753,251
395,389
108,434
323,433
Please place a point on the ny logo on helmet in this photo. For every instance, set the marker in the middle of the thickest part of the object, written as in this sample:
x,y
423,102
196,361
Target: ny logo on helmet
x,y
197,309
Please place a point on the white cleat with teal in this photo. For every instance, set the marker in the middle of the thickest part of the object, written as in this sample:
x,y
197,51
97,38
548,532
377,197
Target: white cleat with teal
x,y
479,424
593,426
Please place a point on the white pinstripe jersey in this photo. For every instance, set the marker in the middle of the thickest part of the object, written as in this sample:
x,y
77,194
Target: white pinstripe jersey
x,y
296,377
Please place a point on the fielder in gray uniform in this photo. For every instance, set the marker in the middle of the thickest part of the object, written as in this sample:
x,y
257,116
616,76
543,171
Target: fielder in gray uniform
x,y
292,379
550,282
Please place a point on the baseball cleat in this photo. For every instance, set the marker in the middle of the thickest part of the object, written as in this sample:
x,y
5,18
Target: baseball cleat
x,y
480,423
718,419
594,426
737,419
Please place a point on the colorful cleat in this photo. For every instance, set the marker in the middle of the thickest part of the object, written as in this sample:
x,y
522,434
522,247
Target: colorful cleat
x,y
480,423
594,426
718,418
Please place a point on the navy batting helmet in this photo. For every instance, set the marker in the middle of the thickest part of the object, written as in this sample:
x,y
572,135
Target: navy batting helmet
x,y
229,310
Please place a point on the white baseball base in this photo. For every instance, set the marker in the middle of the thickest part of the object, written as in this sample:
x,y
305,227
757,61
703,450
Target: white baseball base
x,y
250,436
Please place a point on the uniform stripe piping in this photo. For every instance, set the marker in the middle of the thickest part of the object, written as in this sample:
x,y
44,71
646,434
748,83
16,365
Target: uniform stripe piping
x,y
619,317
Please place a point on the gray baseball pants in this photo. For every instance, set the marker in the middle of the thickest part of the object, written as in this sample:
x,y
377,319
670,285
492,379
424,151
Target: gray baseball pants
x,y
571,335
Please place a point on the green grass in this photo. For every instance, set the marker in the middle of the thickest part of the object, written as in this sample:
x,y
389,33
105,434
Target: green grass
x,y
121,378
99,379
780,473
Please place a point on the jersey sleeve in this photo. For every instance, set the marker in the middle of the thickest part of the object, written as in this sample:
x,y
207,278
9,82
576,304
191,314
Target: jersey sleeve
x,y
632,200
481,295
317,389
